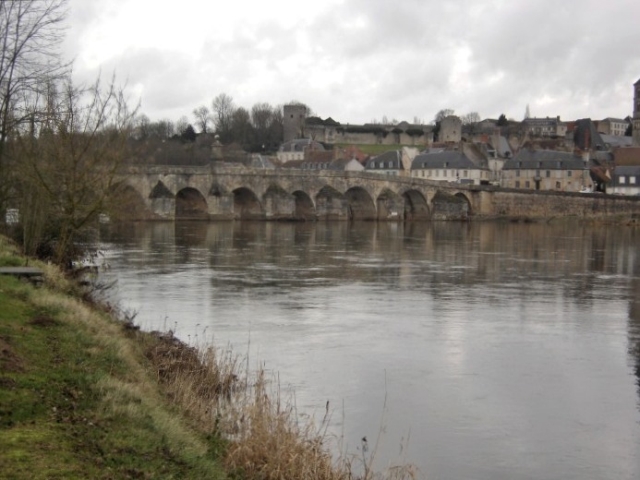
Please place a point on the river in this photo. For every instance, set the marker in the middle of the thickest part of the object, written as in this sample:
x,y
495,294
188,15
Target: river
x,y
478,350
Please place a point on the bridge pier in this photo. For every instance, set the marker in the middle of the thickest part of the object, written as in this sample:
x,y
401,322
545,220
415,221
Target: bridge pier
x,y
163,207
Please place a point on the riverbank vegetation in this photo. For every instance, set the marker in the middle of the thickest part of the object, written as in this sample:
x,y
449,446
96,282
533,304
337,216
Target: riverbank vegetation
x,y
85,394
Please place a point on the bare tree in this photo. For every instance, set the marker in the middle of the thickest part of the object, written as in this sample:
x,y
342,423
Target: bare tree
x,y
30,35
68,164
223,109
203,117
470,118
445,112
142,127
181,125
162,129
241,129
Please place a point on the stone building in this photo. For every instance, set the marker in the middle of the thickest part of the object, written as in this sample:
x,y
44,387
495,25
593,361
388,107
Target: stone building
x,y
450,166
394,162
612,126
294,121
331,132
450,129
297,149
636,114
625,180
545,127
546,170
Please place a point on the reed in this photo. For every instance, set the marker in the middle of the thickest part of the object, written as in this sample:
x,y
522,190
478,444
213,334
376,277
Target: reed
x,y
264,436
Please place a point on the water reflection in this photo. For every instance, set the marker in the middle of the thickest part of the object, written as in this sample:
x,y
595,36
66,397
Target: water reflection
x,y
509,350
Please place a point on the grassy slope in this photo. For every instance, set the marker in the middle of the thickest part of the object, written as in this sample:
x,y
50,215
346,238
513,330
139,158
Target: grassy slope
x,y
77,399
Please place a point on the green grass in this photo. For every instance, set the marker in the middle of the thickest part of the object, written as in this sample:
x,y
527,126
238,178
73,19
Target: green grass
x,y
77,399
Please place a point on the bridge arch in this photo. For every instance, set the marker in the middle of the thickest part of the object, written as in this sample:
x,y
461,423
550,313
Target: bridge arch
x,y
416,206
304,207
360,204
464,197
246,205
390,205
450,206
128,204
191,205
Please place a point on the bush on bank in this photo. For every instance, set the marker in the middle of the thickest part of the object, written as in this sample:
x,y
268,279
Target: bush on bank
x,y
86,394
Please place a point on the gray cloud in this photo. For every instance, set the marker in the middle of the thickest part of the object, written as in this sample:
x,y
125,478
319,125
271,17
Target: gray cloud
x,y
363,59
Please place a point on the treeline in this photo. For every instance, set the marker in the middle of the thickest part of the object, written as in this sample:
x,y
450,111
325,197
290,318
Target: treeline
x,y
258,130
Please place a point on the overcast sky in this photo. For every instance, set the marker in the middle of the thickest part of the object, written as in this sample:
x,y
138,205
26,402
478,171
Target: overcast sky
x,y
359,60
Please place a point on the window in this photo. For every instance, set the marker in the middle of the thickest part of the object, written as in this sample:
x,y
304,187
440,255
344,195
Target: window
x,y
466,174
569,173
622,180
557,185
517,183
537,173
437,173
547,173
445,173
517,173
526,184
632,180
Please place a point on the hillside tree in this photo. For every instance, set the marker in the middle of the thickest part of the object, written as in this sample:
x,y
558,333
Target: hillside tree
x,y
222,108
203,117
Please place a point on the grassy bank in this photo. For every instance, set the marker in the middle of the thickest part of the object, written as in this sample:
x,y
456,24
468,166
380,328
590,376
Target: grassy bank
x,y
85,394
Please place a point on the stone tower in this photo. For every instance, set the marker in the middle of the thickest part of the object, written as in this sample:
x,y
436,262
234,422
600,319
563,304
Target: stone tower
x,y
636,114
450,129
294,116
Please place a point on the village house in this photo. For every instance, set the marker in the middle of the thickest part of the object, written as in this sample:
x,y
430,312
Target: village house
x,y
612,126
546,170
625,177
545,127
296,149
394,162
389,163
449,166
625,180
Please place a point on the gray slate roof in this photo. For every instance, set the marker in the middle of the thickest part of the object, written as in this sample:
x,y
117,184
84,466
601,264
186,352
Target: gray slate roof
x,y
392,155
446,159
617,141
627,170
544,159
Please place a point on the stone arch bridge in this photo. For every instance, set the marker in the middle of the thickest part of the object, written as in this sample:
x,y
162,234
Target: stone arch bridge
x,y
212,192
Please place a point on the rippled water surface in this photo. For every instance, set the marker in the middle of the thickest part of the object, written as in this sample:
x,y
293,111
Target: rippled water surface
x,y
488,351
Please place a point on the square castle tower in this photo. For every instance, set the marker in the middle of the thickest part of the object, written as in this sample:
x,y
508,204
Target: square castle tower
x,y
636,114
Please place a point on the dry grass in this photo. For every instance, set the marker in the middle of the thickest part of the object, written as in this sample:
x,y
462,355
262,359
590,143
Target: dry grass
x,y
266,439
